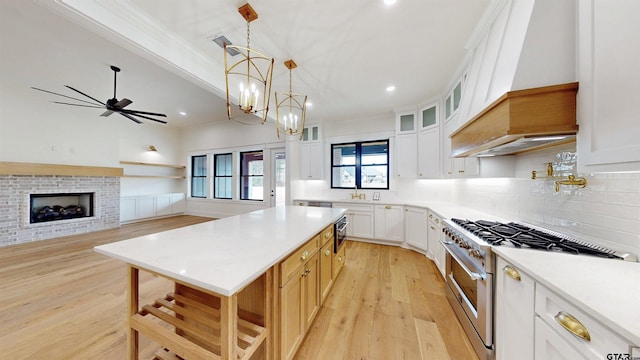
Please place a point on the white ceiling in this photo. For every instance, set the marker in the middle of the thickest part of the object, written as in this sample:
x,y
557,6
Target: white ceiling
x,y
347,52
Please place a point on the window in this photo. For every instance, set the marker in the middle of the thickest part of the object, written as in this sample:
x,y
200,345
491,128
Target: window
x,y
199,176
364,165
251,175
222,176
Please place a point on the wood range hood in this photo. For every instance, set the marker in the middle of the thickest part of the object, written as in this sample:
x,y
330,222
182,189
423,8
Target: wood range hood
x,y
521,120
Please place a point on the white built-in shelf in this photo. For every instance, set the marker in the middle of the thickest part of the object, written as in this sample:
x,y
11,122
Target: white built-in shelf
x,y
137,163
152,164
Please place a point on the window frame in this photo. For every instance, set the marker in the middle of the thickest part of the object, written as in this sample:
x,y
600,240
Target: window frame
x,y
193,177
358,164
242,176
216,176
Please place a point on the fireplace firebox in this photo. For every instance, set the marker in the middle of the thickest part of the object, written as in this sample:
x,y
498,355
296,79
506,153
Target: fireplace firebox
x,y
60,206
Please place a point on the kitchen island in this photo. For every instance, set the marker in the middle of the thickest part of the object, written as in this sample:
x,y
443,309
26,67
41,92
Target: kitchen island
x,y
224,273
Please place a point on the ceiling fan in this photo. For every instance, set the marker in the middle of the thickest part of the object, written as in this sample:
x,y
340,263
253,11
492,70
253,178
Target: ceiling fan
x,y
112,105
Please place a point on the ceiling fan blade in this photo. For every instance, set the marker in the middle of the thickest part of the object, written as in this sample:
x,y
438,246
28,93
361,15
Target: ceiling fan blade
x,y
80,92
146,117
122,103
130,118
89,106
136,112
106,113
68,97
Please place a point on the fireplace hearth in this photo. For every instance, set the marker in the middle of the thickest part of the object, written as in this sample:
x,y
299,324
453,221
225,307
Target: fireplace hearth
x,y
60,206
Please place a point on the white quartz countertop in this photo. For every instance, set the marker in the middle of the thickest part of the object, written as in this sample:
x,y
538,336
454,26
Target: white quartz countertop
x,y
225,255
607,289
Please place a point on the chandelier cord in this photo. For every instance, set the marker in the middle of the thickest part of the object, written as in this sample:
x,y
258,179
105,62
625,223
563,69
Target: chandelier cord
x,y
248,54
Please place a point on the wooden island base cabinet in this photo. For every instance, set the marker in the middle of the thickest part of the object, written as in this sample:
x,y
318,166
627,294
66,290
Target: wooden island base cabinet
x,y
306,277
232,300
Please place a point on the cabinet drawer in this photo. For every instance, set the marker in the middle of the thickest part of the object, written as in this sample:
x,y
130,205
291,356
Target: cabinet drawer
x,y
289,265
326,234
434,218
603,341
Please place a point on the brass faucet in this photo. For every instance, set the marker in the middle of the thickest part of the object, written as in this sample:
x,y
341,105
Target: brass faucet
x,y
534,174
572,180
356,195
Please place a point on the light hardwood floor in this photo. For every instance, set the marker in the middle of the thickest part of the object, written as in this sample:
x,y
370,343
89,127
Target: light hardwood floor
x,y
61,300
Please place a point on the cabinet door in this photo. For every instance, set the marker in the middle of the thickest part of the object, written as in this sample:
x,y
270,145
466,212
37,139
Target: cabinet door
x,y
163,205
128,209
609,83
361,224
310,291
311,160
146,207
549,346
416,227
406,155
291,320
389,223
178,204
326,273
515,312
429,153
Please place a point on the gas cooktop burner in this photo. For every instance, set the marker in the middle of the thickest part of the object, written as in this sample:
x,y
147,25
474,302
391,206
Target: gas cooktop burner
x,y
518,235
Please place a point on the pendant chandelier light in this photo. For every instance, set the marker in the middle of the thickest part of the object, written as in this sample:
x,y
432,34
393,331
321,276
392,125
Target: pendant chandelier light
x,y
252,74
291,108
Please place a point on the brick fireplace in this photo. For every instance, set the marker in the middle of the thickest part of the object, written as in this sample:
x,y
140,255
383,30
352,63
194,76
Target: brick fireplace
x,y
16,192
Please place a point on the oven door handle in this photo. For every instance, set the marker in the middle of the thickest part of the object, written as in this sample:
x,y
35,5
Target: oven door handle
x,y
343,226
472,275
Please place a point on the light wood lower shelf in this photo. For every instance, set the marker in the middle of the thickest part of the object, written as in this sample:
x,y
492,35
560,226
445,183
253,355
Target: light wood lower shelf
x,y
188,328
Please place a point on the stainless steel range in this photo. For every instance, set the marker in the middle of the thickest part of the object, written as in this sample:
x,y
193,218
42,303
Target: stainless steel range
x,y
470,268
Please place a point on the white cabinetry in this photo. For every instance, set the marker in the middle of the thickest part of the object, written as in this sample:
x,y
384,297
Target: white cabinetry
x,y
149,206
311,153
429,142
547,325
568,327
406,144
609,86
360,217
436,252
514,312
457,167
389,223
406,155
416,227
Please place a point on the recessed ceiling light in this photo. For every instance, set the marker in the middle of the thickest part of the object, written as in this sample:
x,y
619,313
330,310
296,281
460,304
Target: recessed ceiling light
x,y
389,2
391,88
182,113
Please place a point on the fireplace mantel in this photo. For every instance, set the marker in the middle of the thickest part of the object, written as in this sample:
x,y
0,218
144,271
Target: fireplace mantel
x,y
19,168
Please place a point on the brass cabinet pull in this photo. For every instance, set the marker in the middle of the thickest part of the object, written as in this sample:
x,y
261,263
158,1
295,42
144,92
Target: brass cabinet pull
x,y
388,207
339,258
437,221
305,255
327,234
430,216
432,228
327,252
572,325
512,273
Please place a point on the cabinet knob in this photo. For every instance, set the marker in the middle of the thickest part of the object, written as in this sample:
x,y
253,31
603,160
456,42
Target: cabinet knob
x,y
327,252
388,207
572,325
327,234
430,216
512,273
339,258
305,255
460,171
437,221
432,228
